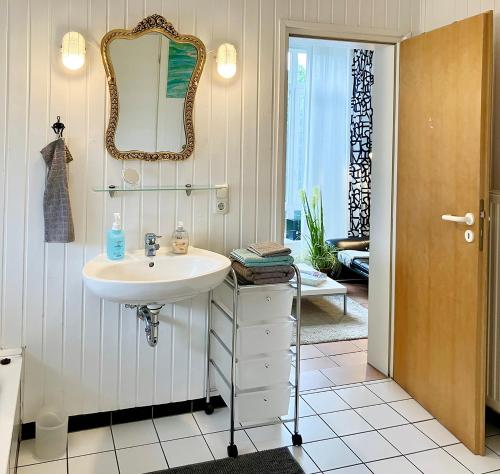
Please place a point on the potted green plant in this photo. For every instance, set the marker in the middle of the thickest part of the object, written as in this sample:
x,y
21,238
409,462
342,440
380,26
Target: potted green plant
x,y
322,256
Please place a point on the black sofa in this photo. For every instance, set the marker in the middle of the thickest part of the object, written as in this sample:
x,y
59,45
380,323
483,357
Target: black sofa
x,y
359,265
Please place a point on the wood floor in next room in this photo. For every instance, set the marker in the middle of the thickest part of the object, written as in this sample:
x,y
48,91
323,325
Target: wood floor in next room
x,y
353,421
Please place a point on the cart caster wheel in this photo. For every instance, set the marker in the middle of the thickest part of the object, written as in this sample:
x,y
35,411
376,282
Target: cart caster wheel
x,y
297,439
209,408
232,451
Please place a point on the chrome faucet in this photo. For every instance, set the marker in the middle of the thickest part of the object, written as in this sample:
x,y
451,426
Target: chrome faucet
x,y
150,245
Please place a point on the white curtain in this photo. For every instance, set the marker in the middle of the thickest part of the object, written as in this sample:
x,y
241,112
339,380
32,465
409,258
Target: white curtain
x,y
318,129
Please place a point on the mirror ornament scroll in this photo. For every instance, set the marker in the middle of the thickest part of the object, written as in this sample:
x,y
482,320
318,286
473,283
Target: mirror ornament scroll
x,y
189,52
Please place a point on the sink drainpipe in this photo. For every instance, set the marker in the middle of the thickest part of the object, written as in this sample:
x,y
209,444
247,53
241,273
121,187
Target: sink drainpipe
x,y
149,314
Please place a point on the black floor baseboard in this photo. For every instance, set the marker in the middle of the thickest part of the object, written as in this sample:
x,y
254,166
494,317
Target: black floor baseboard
x,y
107,418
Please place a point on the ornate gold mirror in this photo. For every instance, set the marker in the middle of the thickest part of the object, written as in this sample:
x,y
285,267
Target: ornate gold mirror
x,y
152,72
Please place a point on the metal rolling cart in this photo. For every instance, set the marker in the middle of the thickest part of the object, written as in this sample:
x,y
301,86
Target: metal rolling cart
x,y
232,280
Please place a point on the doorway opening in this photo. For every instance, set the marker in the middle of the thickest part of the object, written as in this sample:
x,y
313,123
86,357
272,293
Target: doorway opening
x,y
329,188
329,119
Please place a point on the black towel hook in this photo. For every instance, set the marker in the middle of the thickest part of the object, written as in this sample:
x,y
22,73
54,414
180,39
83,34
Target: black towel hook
x,y
58,127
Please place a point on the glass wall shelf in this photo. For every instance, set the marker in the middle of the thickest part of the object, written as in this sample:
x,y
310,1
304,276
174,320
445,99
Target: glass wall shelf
x,y
188,188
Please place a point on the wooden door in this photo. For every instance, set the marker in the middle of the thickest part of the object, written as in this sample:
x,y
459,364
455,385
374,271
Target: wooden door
x,y
443,168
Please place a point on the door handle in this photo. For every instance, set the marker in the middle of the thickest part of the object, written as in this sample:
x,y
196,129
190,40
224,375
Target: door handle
x,y
468,219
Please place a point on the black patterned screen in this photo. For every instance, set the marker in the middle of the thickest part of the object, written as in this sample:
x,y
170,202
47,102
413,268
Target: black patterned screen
x,y
361,143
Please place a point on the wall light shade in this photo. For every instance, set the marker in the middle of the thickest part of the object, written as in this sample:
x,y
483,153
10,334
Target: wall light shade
x,y
73,50
226,60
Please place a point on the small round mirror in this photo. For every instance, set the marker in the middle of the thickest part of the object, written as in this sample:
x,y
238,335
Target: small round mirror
x,y
130,176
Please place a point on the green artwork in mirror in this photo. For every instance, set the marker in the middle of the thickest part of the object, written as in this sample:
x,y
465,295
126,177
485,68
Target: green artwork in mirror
x,y
182,59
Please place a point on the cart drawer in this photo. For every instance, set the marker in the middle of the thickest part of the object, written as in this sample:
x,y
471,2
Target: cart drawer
x,y
262,338
255,372
257,303
255,406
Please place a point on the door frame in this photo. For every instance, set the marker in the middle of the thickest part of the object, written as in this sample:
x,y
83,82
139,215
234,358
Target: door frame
x,y
287,28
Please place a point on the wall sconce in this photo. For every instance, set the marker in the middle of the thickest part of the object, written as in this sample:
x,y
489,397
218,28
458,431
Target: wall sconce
x,y
73,50
226,60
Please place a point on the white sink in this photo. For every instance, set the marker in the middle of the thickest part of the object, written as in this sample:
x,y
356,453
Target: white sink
x,y
171,278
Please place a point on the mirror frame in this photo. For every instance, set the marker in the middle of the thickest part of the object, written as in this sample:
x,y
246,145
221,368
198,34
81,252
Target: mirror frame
x,y
152,23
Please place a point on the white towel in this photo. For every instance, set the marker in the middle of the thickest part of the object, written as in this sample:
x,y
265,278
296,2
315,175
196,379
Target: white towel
x,y
347,256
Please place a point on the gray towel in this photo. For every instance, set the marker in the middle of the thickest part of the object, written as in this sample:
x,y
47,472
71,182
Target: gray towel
x,y
56,205
269,249
275,274
262,281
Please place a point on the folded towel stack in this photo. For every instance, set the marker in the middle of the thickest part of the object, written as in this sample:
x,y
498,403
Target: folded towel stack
x,y
269,249
262,264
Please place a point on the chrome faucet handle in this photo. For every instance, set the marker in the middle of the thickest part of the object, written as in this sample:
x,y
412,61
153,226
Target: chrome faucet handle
x,y
150,244
150,238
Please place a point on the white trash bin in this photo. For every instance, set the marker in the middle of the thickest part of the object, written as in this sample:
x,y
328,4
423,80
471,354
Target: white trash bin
x,y
51,433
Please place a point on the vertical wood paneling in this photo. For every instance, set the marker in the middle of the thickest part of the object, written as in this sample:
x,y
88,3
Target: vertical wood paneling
x,y
15,169
265,111
34,264
392,14
493,379
339,11
461,8
365,13
325,10
487,5
415,21
218,132
379,13
352,12
150,223
496,101
74,258
88,354
202,121
310,10
94,236
4,87
233,154
111,313
182,335
129,326
297,9
474,7
55,291
404,22
249,74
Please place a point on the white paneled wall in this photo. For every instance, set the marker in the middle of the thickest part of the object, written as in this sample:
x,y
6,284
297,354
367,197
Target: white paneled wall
x,y
439,13
88,354
493,365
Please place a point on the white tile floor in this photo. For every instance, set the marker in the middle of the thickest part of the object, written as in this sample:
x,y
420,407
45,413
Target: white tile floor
x,y
367,427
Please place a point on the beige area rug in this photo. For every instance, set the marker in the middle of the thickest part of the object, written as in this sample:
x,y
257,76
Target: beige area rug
x,y
323,320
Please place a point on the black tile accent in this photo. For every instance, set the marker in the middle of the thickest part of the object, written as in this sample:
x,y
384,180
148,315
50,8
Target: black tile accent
x,y
188,406
107,418
131,414
168,409
89,421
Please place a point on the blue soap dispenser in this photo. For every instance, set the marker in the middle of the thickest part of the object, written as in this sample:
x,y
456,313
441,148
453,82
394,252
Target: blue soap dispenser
x,y
116,239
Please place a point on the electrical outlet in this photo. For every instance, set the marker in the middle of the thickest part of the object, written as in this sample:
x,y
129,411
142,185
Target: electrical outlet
x,y
221,199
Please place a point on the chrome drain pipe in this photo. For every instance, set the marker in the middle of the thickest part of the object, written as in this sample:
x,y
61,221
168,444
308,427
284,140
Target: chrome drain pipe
x,y
149,314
